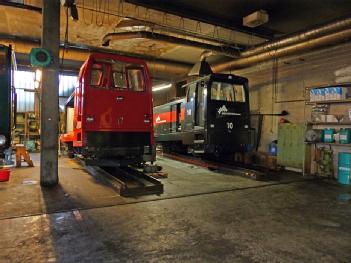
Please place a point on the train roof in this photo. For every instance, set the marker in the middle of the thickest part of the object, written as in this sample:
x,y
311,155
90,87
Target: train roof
x,y
216,75
176,101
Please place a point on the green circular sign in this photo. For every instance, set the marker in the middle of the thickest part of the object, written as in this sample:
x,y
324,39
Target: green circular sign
x,y
40,57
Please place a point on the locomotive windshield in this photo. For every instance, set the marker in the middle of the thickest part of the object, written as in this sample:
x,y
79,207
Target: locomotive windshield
x,y
111,74
223,91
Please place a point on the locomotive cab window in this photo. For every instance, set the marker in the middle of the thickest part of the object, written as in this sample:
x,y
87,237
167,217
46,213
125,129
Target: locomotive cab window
x,y
118,80
118,76
95,75
239,93
98,75
227,92
136,80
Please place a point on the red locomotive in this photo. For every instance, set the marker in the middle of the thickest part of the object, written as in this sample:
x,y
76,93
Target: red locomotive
x,y
109,115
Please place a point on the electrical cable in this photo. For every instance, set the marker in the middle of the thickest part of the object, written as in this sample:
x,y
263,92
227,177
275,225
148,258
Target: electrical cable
x,y
65,41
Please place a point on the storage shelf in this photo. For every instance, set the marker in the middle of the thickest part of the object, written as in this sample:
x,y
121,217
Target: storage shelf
x,y
329,101
344,84
328,123
331,143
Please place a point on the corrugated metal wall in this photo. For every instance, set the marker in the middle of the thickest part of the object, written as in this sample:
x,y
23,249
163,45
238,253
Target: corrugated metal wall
x,y
24,84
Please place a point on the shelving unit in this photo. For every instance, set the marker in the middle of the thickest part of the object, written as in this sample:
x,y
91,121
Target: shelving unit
x,y
27,129
308,89
331,144
329,123
330,101
320,125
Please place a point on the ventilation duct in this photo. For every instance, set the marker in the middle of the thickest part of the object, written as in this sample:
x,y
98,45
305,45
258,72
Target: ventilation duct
x,y
119,36
325,40
201,68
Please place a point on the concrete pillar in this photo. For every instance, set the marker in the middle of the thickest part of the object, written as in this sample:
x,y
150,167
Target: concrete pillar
x,y
49,96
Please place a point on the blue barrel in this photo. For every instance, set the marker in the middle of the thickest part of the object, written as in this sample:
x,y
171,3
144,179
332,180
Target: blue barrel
x,y
344,171
345,135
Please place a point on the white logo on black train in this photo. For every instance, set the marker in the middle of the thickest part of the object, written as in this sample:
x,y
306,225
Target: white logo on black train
x,y
224,111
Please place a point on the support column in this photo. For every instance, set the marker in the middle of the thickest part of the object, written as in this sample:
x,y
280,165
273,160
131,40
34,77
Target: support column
x,y
49,95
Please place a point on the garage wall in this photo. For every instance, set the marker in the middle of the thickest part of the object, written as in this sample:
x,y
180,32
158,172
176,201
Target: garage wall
x,y
280,85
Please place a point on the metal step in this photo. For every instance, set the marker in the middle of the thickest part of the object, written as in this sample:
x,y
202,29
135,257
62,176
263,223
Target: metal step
x,y
199,141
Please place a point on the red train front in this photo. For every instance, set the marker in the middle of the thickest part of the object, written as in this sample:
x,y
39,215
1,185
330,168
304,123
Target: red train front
x,y
111,123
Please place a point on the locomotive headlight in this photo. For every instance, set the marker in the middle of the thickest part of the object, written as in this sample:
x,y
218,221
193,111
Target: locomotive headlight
x,y
2,140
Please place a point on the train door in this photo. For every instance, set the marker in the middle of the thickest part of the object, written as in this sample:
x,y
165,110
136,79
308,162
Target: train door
x,y
201,98
190,107
174,119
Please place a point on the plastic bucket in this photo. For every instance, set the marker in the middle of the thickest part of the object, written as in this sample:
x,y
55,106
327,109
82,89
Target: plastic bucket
x,y
4,175
328,135
344,173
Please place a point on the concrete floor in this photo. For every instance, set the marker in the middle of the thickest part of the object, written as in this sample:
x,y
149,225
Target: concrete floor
x,y
202,217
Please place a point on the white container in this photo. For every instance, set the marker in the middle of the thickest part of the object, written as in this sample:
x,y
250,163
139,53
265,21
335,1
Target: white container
x,y
319,94
327,93
331,118
333,93
312,96
338,93
343,93
322,94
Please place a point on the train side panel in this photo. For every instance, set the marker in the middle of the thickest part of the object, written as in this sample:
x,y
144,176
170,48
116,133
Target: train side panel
x,y
169,121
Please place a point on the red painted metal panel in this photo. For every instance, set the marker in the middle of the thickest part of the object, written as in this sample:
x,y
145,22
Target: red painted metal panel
x,y
105,108
167,117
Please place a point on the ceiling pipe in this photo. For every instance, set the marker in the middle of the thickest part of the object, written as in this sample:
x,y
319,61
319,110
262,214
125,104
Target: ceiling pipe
x,y
205,54
331,39
81,53
118,36
131,25
299,37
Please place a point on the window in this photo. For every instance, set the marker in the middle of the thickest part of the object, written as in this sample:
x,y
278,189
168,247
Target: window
x,y
112,74
136,79
67,85
24,84
227,92
191,92
239,93
96,75
118,75
118,80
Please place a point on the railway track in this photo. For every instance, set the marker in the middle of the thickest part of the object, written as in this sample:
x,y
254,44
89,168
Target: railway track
x,y
126,181
259,173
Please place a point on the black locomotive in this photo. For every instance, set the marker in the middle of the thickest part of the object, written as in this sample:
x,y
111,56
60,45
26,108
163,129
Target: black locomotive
x,y
213,118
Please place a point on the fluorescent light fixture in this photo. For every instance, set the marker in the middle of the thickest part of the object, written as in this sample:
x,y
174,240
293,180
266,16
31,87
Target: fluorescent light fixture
x,y
161,87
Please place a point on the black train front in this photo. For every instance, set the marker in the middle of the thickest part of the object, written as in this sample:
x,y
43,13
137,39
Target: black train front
x,y
213,119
